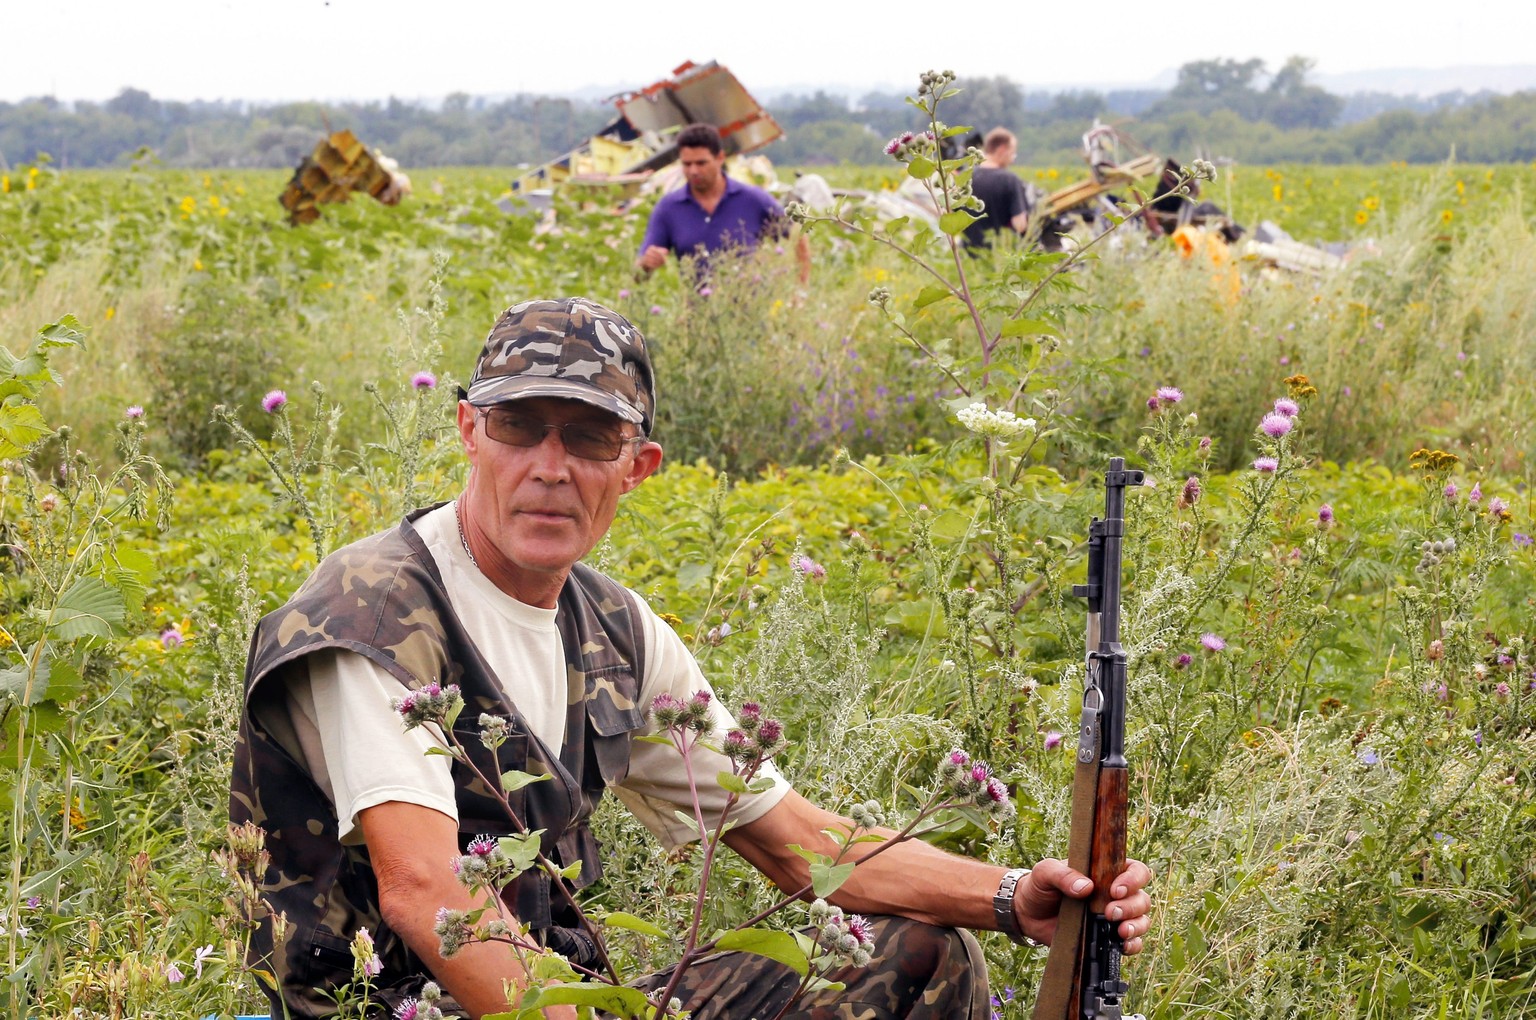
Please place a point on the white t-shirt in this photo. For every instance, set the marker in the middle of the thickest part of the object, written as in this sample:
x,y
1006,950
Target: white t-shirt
x,y
369,757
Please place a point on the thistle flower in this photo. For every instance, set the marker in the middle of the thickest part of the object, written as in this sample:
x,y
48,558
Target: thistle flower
x,y
868,815
430,704
1275,425
273,400
807,566
1183,661
1476,495
623,293
171,637
1052,740
134,412
452,931
1168,395
1325,516
1450,491
671,712
1191,494
1266,465
847,936
1501,691
1212,642
1287,407
1205,443
424,381
48,503
1498,509
493,730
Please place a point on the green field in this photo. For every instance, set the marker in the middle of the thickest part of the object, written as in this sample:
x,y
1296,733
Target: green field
x,y
1338,804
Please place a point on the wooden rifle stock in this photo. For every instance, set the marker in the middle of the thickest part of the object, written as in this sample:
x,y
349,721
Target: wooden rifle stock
x,y
1082,974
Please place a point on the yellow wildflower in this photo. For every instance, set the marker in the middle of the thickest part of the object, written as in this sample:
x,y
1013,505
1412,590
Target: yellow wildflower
x,y
213,201
1371,202
1461,187
189,205
110,312
5,184
197,265
1446,216
1279,193
1361,216
1052,174
207,181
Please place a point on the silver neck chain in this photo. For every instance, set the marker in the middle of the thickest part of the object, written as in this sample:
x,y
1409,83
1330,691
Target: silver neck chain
x,y
458,518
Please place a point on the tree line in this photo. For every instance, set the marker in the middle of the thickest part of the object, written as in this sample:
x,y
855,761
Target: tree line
x,y
1216,108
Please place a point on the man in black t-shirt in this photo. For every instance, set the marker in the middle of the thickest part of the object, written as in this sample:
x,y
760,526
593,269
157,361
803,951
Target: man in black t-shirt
x,y
994,182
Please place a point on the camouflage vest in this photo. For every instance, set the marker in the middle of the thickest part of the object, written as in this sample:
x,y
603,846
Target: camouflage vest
x,y
383,597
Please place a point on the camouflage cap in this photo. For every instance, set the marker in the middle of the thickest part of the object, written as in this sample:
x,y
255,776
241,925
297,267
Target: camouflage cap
x,y
573,348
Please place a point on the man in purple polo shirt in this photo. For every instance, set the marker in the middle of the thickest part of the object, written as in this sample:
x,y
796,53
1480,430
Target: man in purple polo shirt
x,y
714,212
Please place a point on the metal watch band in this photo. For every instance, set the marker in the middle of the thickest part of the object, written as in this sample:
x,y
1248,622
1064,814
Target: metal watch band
x,y
1002,907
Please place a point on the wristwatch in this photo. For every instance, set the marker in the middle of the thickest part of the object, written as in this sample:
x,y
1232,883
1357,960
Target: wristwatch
x,y
1002,907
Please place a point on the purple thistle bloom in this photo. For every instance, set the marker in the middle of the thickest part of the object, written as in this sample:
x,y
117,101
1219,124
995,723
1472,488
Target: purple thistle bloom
x,y
1152,404
996,791
623,293
807,566
1212,643
1276,425
1287,407
1052,740
481,846
1325,515
656,309
1266,465
1183,661
424,381
1169,395
134,412
1476,495
1205,443
172,637
706,291
407,1010
1497,507
893,146
959,758
1450,491
1501,691
273,400
1191,494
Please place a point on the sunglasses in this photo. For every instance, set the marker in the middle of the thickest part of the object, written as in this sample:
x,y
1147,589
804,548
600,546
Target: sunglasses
x,y
584,439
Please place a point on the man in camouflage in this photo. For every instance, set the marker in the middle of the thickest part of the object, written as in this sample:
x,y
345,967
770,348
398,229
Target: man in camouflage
x,y
488,592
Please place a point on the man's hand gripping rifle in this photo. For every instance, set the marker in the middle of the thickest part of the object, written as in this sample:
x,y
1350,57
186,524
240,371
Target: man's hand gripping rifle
x,y
1082,974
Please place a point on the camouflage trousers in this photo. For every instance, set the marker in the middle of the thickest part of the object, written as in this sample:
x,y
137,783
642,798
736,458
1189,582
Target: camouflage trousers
x,y
919,971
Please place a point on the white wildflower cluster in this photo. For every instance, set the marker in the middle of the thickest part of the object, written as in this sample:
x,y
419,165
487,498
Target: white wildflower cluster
x,y
1002,424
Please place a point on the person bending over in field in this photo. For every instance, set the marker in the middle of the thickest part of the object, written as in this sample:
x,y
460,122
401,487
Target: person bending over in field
x,y
488,592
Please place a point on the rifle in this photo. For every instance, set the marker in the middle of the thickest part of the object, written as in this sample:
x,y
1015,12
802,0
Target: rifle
x,y
1082,974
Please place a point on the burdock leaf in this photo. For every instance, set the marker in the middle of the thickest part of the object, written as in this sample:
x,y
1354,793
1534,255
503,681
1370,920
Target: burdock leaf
x,y
615,999
827,878
629,922
776,945
88,609
515,780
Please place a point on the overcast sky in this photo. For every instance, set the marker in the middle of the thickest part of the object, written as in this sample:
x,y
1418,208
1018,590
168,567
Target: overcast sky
x,y
373,49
